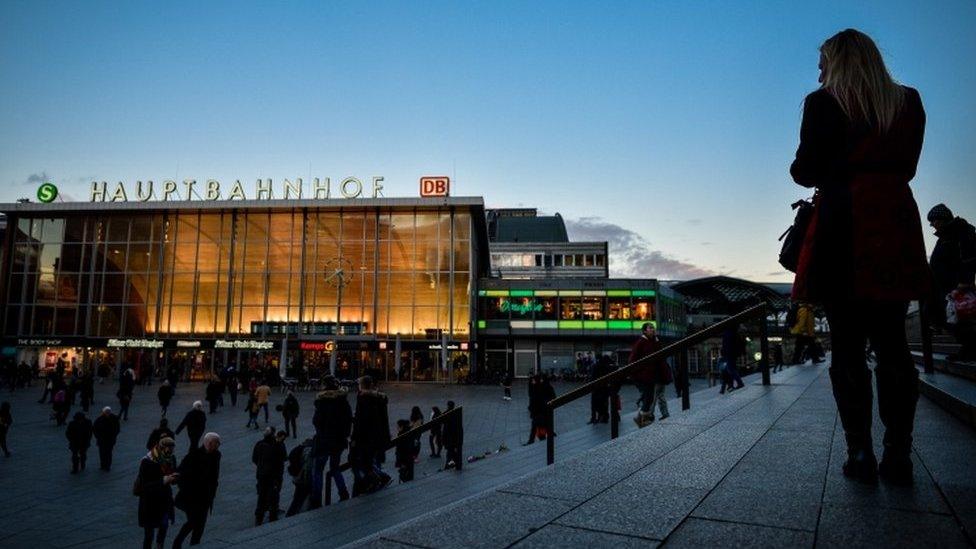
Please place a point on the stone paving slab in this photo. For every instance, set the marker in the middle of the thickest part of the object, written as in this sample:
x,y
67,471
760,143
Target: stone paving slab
x,y
846,527
696,533
555,535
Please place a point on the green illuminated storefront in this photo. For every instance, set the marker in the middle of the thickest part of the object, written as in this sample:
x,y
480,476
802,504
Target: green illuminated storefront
x,y
548,325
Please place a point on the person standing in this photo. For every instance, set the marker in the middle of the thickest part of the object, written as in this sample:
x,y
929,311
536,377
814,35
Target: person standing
x,y
232,383
370,439
79,435
651,377
435,440
6,420
600,397
269,456
333,424
195,423
106,430
213,395
453,438
165,396
416,420
537,410
159,433
953,264
199,476
733,347
86,390
127,385
289,412
404,452
863,258
507,387
153,486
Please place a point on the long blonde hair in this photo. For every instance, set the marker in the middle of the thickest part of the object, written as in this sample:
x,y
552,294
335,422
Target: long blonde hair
x,y
855,74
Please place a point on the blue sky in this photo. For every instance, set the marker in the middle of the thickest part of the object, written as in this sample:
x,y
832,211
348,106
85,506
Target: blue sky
x,y
664,127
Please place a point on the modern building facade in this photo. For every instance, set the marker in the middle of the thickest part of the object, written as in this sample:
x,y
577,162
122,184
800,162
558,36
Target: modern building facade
x,y
526,245
352,285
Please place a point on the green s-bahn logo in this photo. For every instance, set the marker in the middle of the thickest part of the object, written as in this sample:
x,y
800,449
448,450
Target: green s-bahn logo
x,y
47,193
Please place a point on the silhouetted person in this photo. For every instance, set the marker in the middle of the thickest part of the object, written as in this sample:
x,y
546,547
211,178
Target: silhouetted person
x,y
106,430
333,424
600,397
301,466
435,440
953,264
127,385
165,395
453,438
289,412
370,438
153,486
161,432
269,457
863,258
6,420
651,378
195,422
79,435
199,474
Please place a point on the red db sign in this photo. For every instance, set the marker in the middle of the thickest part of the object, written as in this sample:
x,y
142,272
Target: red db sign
x,y
435,185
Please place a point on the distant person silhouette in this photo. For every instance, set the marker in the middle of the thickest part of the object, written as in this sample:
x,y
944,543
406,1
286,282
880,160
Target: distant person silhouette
x,y
863,258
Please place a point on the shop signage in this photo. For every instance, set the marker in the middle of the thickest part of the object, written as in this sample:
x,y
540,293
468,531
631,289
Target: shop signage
x,y
184,344
39,342
47,192
211,190
438,347
135,343
328,346
521,307
435,185
249,344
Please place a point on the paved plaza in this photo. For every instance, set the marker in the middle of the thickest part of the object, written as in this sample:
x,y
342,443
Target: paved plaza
x,y
47,506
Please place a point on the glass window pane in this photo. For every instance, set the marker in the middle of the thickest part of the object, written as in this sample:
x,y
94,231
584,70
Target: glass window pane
x,y
642,309
618,308
570,309
50,257
53,230
401,320
180,319
138,257
74,229
592,308
183,288
138,288
462,226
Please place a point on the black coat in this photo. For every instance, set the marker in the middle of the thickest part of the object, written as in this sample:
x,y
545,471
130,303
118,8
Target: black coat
x,y
156,500
126,385
371,426
157,434
79,434
106,429
199,476
453,434
269,456
165,394
195,421
290,407
953,259
333,422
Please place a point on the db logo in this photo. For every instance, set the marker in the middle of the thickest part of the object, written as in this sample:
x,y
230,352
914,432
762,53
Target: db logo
x,y
435,185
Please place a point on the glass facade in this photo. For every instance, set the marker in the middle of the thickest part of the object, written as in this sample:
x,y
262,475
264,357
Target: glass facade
x,y
247,272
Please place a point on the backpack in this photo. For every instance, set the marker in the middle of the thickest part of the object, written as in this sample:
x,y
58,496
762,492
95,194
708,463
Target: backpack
x,y
789,254
296,459
59,397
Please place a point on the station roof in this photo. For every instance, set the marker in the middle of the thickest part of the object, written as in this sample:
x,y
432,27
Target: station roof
x,y
546,228
726,295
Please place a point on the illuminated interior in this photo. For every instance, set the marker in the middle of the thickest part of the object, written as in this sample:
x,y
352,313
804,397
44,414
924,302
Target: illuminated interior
x,y
255,272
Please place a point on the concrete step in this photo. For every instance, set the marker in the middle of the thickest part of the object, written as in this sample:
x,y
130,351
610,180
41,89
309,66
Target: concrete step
x,y
942,363
357,518
955,394
946,348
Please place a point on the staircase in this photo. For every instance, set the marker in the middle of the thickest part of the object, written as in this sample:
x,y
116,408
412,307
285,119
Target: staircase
x,y
953,384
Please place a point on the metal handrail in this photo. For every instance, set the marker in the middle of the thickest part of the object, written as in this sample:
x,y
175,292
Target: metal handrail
x,y
623,372
412,433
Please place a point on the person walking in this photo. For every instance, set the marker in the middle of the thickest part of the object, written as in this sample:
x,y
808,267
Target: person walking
x,y
269,456
212,393
803,333
79,435
733,347
435,439
370,439
404,452
199,477
863,258
289,412
195,423
301,467
453,438
537,410
165,396
159,433
252,411
263,395
416,420
507,387
153,486
953,263
233,384
6,420
60,405
333,424
652,377
106,430
86,391
127,385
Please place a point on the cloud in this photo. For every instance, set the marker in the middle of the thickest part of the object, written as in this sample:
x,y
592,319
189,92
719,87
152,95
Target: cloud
x,y
631,255
36,179
694,221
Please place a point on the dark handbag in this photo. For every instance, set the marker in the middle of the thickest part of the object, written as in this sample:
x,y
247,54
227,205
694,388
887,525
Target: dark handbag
x,y
789,254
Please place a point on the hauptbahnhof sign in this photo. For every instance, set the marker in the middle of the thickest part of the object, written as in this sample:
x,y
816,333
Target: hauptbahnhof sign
x,y
212,190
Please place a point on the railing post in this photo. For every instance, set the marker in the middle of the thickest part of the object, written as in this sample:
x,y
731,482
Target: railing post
x,y
764,347
685,384
551,435
923,321
460,452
